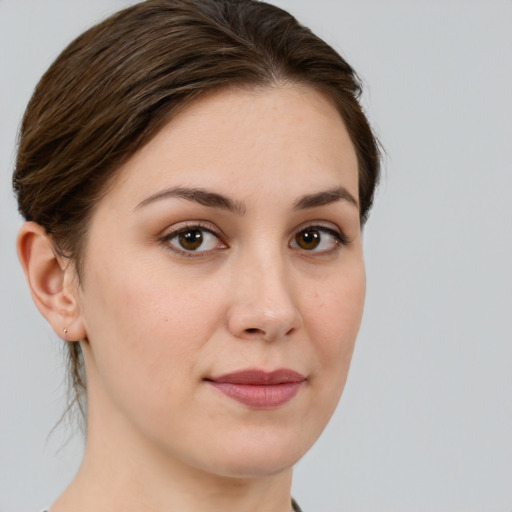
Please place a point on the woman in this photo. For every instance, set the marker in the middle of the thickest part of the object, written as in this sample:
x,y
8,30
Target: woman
x,y
195,176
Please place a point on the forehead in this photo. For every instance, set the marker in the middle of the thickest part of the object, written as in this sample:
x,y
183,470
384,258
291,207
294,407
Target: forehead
x,y
289,138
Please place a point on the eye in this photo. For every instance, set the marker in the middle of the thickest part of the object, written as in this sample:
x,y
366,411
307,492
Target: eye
x,y
317,239
193,239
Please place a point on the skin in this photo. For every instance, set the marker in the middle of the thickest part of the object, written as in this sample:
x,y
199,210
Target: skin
x,y
157,320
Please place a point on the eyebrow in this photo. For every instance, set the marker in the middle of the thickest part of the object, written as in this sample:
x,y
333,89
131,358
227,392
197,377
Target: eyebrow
x,y
216,200
325,197
198,195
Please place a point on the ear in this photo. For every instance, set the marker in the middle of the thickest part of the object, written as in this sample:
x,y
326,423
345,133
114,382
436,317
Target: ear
x,y
51,280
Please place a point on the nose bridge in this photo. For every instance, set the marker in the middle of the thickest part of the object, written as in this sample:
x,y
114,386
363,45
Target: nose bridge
x,y
270,281
264,303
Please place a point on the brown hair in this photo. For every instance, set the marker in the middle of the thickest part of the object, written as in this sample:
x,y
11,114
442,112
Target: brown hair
x,y
115,86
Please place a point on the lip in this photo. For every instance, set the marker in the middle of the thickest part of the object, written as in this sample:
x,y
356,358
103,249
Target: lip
x,y
259,389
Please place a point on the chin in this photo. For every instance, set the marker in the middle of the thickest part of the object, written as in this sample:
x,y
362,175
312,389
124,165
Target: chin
x,y
258,456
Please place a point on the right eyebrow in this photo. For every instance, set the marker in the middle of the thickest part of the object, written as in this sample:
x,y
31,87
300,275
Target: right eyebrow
x,y
198,195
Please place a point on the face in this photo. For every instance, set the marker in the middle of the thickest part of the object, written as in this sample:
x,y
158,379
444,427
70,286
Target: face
x,y
223,284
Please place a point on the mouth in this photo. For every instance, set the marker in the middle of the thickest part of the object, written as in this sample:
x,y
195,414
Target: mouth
x,y
259,389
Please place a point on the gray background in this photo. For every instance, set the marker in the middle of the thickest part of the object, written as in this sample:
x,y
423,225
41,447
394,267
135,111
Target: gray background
x,y
425,423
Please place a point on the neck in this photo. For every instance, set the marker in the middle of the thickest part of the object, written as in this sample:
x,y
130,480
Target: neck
x,y
105,489
121,470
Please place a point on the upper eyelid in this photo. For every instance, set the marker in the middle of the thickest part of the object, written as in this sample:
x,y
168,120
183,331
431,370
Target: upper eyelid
x,y
327,226
207,226
339,236
318,223
175,229
183,226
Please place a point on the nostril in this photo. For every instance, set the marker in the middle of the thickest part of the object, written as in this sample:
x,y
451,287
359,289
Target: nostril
x,y
253,330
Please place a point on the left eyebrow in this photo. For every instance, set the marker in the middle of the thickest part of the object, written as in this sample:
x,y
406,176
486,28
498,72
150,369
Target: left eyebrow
x,y
325,197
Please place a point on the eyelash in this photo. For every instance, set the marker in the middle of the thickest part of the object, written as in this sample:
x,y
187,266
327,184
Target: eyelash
x,y
187,227
338,237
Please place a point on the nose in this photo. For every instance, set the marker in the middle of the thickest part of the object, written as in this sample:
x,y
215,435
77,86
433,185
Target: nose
x,y
265,305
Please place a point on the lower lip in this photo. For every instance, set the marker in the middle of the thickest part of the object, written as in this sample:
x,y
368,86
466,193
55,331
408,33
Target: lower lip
x,y
259,396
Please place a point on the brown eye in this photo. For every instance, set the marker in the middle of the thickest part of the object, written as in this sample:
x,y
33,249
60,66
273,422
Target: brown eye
x,y
191,239
318,239
308,239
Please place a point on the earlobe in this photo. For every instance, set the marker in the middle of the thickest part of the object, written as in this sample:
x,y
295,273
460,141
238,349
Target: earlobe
x,y
51,281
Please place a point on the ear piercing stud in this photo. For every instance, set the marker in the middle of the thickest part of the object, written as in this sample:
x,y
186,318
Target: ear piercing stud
x,y
65,330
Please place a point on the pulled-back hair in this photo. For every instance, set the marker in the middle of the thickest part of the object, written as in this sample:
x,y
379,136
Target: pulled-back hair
x,y
115,86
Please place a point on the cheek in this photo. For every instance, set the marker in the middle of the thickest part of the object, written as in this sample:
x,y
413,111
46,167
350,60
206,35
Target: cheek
x,y
337,309
147,328
146,297
334,318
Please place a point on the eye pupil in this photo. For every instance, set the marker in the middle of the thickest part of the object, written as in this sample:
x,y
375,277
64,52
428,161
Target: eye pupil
x,y
191,239
308,239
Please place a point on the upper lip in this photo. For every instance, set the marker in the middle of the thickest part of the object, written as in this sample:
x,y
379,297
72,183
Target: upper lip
x,y
256,377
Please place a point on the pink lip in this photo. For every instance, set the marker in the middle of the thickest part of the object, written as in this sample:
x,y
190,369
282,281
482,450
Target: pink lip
x,y
260,389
